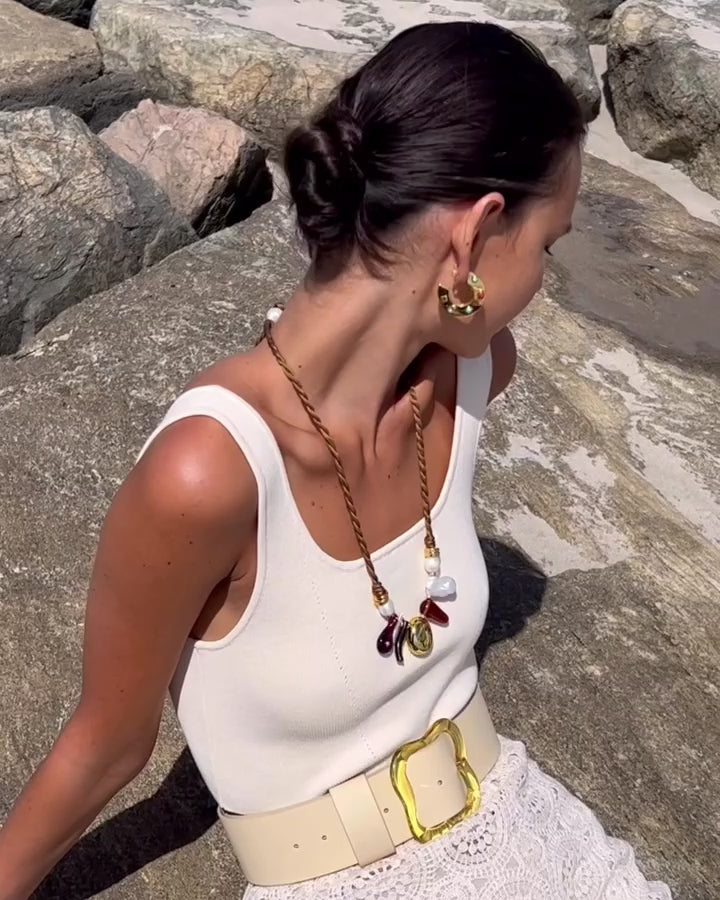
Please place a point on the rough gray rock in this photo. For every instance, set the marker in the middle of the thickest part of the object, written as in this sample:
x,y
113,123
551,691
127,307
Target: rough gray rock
x,y
74,219
266,65
638,262
593,16
281,188
210,168
46,62
75,11
600,464
664,78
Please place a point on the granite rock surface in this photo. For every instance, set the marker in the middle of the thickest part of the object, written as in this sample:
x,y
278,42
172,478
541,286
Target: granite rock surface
x,y
211,170
266,65
74,219
664,79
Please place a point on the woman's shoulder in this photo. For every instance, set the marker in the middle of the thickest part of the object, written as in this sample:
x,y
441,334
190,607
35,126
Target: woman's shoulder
x,y
194,456
193,466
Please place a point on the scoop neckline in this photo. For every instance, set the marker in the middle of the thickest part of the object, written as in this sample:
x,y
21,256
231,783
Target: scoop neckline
x,y
394,543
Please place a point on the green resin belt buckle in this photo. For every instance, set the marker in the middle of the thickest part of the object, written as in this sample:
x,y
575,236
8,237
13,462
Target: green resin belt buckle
x,y
403,788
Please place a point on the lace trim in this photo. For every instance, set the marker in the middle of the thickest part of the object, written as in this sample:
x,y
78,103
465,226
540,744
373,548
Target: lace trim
x,y
531,840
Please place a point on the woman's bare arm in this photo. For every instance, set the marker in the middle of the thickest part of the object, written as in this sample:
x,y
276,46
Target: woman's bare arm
x,y
173,531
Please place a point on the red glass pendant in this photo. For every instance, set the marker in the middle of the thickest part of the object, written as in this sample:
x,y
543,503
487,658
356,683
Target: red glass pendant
x,y
385,640
433,613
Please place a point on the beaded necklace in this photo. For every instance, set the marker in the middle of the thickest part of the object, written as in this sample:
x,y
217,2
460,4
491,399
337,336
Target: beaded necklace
x,y
397,631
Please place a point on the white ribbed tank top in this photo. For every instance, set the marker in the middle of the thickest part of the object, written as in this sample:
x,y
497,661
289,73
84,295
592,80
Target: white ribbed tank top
x,y
296,699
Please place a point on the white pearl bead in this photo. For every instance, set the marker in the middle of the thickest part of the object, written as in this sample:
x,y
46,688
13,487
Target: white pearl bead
x,y
387,609
441,588
273,314
432,565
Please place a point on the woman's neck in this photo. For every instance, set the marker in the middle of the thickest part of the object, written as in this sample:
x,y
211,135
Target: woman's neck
x,y
349,346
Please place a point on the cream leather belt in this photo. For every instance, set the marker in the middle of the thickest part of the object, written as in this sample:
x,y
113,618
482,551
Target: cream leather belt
x,y
435,779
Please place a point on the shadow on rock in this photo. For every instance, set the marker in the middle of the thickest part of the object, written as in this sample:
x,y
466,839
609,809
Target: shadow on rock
x,y
607,96
517,587
180,811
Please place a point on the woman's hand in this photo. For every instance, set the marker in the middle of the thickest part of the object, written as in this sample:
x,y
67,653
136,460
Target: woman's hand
x,y
171,535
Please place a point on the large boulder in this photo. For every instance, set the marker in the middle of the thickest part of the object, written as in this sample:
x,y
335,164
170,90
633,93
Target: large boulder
x,y
265,65
75,11
593,16
213,172
599,464
46,62
74,219
664,78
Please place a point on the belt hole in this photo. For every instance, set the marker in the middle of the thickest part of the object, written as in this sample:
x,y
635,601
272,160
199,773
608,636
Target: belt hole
x,y
296,846
439,782
324,837
386,810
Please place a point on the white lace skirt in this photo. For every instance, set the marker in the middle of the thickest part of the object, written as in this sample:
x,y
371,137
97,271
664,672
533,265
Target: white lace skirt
x,y
531,840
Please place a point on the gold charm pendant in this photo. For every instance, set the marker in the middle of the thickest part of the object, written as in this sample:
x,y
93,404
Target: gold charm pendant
x,y
419,636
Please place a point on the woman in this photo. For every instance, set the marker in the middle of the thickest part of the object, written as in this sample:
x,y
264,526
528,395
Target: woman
x,y
275,555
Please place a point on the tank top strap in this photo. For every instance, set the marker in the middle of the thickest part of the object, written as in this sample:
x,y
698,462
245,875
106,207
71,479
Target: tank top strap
x,y
249,431
276,504
473,390
238,417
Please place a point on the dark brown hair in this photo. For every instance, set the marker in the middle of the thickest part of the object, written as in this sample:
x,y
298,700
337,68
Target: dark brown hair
x,y
444,112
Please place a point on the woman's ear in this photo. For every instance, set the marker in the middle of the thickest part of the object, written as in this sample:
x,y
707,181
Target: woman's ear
x,y
472,230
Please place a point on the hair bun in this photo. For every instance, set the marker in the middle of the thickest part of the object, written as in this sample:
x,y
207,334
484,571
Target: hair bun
x,y
344,129
432,118
327,182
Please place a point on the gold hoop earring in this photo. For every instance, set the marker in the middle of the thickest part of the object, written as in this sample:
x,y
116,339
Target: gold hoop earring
x,y
463,310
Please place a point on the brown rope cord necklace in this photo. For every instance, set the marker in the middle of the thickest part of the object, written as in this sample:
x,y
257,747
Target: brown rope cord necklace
x,y
416,631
